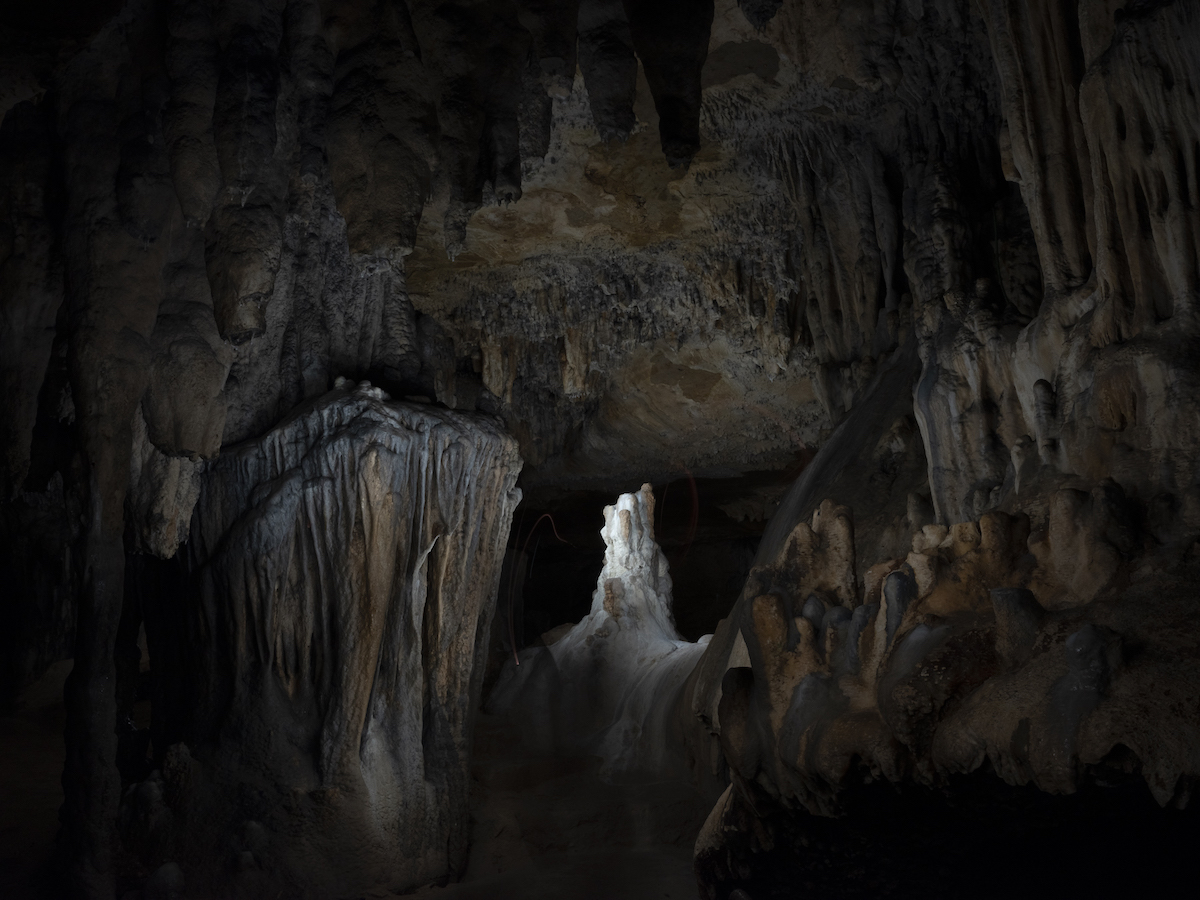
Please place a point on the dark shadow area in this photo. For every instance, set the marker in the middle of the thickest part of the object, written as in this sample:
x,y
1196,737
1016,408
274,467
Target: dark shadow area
x,y
980,838
31,763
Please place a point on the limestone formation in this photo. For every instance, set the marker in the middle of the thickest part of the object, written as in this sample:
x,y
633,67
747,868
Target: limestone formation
x,y
611,686
941,678
328,633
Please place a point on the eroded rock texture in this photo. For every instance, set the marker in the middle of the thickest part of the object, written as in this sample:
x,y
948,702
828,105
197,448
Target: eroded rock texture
x,y
324,651
970,649
1098,142
971,655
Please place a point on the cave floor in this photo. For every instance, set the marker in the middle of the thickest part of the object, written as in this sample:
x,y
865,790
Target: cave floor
x,y
546,826
542,825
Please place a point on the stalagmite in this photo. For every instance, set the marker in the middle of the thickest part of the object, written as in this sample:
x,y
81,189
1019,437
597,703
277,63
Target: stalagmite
x,y
625,657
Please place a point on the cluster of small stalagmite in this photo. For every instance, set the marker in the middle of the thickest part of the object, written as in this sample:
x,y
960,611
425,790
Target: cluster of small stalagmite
x,y
1059,660
985,644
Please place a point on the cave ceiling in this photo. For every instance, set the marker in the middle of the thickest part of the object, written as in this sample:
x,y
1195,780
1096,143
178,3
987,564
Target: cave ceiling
x,y
446,200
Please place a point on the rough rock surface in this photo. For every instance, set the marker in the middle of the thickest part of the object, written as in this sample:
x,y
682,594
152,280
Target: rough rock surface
x,y
327,638
967,650
1095,385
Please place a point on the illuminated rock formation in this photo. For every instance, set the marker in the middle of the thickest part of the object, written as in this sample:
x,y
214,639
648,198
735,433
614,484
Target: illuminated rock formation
x,y
973,654
327,642
611,686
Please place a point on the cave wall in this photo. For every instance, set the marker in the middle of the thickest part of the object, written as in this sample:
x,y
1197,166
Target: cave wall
x,y
1099,114
1059,436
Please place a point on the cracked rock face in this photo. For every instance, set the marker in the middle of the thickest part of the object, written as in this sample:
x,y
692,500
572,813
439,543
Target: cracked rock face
x,y
327,637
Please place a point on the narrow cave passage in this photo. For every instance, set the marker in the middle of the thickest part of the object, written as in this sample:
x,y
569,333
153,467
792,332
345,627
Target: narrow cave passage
x,y
549,820
563,801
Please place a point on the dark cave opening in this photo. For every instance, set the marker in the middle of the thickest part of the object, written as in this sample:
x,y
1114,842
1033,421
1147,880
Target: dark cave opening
x,y
975,837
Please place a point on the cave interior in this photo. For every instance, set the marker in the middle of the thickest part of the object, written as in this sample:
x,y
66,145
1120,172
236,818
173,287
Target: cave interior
x,y
734,449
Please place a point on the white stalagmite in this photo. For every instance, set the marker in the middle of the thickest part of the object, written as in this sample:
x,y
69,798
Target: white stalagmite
x,y
611,685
